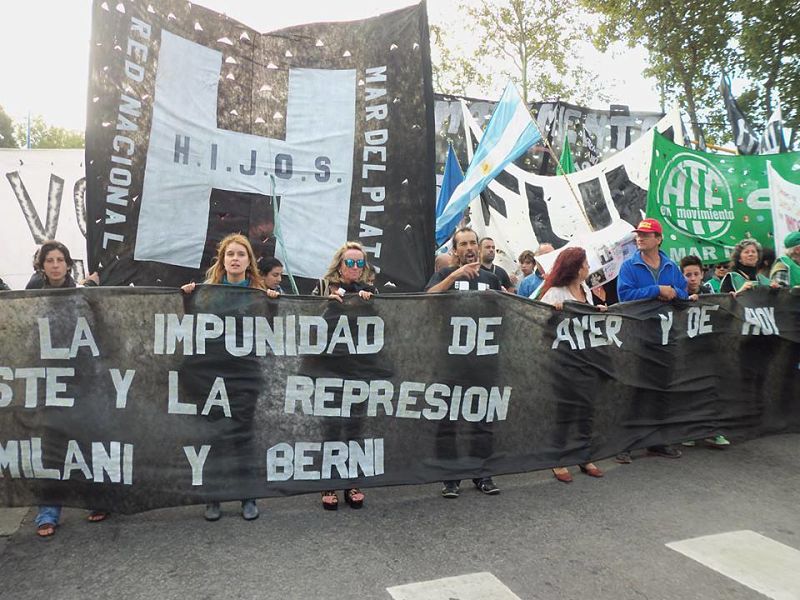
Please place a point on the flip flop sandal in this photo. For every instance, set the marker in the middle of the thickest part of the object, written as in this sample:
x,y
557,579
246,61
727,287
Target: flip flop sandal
x,y
354,497
330,501
96,516
46,530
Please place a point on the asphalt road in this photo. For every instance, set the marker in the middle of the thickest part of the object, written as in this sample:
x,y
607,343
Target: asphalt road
x,y
592,539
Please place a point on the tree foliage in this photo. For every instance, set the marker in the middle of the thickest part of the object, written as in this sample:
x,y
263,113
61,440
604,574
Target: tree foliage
x,y
690,42
529,43
47,136
687,43
769,54
6,130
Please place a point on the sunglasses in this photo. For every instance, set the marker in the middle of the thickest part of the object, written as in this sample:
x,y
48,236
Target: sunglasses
x,y
351,262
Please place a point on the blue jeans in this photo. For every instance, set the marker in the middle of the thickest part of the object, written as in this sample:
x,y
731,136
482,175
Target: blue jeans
x,y
48,514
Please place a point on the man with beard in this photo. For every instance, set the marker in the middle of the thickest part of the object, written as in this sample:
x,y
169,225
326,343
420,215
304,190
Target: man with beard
x,y
464,276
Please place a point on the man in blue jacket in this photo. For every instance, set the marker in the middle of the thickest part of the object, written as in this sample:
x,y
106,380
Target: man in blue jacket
x,y
649,274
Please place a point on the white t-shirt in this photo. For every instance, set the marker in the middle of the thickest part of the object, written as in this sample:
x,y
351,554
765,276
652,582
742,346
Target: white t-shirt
x,y
562,294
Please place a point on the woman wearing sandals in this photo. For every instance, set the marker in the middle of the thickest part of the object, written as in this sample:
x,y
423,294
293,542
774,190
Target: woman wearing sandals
x,y
566,282
53,263
347,275
235,265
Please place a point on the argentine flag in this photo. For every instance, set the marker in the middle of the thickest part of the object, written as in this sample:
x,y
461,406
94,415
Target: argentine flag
x,y
508,135
450,182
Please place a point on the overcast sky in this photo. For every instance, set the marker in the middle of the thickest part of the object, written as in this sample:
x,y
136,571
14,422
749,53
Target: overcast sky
x,y
44,50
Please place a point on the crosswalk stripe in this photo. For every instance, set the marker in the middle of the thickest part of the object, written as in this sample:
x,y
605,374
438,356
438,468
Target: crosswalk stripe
x,y
756,561
473,586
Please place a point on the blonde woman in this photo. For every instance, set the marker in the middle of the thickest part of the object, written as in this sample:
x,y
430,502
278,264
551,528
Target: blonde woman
x,y
348,273
234,265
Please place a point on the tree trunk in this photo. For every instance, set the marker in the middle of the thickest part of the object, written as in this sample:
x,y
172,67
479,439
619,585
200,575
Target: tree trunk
x,y
691,108
769,84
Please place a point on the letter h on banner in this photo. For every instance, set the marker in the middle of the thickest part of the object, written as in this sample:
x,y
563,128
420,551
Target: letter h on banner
x,y
188,156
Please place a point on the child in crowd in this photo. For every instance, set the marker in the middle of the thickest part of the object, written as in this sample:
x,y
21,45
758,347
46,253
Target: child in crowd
x,y
692,269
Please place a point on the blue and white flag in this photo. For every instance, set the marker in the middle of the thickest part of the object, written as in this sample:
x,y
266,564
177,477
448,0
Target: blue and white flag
x,y
452,178
510,132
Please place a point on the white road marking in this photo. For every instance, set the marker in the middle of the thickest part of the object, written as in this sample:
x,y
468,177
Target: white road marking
x,y
756,561
473,586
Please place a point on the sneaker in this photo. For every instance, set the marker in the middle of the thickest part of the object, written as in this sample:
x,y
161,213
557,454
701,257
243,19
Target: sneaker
x,y
213,511
623,458
487,486
719,441
450,489
664,451
249,510
688,444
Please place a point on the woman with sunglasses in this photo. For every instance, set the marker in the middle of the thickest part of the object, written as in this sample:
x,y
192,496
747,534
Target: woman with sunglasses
x,y
348,274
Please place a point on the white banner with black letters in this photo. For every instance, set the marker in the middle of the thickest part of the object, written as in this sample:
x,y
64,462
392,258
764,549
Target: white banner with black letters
x,y
42,197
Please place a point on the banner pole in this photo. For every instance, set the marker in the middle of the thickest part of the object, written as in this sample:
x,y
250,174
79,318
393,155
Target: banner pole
x,y
279,234
715,147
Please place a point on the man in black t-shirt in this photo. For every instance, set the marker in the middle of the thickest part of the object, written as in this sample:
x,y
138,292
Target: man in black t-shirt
x,y
487,251
467,275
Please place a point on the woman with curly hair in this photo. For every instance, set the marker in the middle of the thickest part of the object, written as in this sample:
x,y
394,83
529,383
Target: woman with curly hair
x,y
566,281
746,258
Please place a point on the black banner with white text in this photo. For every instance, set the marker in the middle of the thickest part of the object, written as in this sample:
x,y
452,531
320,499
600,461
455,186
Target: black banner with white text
x,y
137,398
301,139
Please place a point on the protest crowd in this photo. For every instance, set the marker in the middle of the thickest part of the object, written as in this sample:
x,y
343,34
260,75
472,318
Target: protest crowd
x,y
647,274
459,255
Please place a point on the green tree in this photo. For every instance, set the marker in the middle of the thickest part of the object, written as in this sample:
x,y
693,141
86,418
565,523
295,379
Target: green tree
x,y
6,130
687,43
530,43
769,53
453,73
47,136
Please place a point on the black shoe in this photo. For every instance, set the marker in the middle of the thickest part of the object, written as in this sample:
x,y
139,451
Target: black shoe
x,y
665,451
487,486
450,489
624,458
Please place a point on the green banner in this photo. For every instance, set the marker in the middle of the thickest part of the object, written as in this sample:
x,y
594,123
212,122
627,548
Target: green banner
x,y
708,202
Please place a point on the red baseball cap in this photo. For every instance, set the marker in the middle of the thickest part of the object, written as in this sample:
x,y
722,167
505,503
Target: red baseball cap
x,y
649,226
